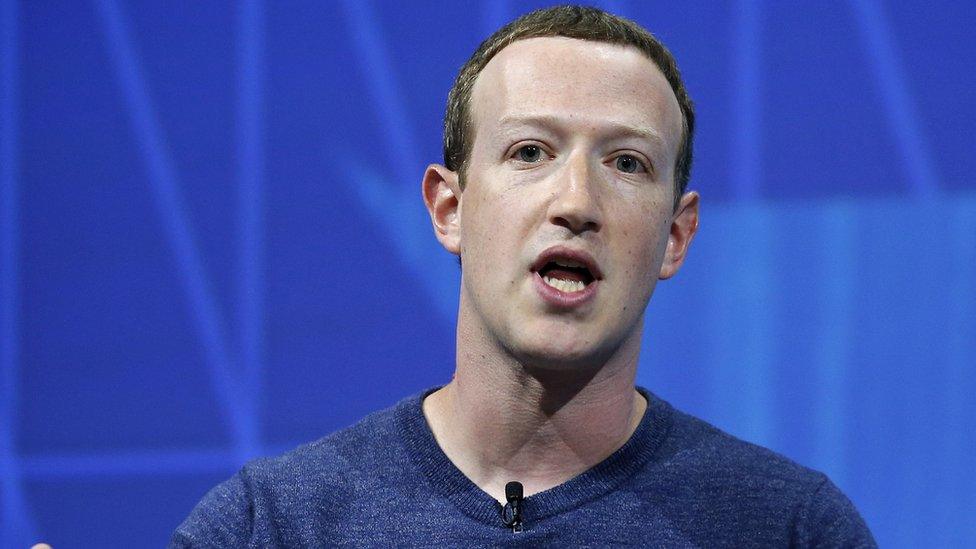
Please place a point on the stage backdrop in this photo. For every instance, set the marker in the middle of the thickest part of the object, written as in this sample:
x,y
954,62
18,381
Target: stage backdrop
x,y
214,248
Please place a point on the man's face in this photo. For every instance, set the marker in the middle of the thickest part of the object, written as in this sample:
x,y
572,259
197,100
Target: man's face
x,y
565,217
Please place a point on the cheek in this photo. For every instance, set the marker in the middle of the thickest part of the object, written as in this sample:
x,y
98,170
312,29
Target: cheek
x,y
490,229
505,209
644,244
643,251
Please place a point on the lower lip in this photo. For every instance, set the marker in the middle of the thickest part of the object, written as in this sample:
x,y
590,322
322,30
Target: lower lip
x,y
561,299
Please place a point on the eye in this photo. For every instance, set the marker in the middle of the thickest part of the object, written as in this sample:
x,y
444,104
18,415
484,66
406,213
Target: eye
x,y
529,153
629,164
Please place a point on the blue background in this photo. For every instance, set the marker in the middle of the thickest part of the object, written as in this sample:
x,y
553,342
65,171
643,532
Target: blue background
x,y
212,244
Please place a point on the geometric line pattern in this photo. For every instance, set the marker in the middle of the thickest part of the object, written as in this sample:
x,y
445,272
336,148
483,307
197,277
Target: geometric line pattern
x,y
127,463
836,339
746,172
877,36
396,205
236,371
231,391
250,167
16,523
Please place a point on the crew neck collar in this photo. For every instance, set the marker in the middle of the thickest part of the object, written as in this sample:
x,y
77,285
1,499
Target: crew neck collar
x,y
450,482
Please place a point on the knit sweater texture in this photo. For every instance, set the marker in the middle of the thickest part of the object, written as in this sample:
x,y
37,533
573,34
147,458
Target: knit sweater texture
x,y
677,482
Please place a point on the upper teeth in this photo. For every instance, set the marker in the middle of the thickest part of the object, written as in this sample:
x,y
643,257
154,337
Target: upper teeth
x,y
568,263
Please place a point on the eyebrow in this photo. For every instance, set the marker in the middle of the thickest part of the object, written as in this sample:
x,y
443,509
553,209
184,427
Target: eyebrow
x,y
614,130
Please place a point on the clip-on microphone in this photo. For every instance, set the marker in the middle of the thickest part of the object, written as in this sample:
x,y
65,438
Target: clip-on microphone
x,y
512,511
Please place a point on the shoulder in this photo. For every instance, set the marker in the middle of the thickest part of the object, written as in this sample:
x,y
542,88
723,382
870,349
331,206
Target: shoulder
x,y
829,519
748,488
707,449
343,456
343,466
269,492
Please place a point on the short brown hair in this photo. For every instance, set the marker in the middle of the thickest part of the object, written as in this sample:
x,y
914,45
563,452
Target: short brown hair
x,y
579,22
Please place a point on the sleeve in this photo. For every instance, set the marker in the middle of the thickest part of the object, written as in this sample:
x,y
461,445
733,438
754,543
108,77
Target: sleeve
x,y
829,519
223,518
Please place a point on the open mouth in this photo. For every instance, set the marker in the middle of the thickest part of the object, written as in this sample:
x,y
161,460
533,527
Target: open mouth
x,y
566,275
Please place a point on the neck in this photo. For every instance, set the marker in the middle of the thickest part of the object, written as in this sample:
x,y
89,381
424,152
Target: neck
x,y
500,420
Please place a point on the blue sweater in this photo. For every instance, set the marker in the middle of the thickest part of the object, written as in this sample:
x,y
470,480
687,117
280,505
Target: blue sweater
x,y
678,482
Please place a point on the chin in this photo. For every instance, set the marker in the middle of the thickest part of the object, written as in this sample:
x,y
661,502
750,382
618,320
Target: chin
x,y
569,346
561,354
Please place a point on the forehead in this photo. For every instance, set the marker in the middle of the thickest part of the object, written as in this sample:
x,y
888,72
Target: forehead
x,y
585,83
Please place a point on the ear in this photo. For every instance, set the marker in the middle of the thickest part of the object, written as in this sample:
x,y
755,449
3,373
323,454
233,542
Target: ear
x,y
684,225
442,195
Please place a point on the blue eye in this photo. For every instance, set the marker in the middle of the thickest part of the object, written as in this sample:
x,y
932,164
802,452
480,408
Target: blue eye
x,y
629,164
529,153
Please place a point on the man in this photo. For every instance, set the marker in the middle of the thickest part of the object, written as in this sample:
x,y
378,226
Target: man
x,y
567,153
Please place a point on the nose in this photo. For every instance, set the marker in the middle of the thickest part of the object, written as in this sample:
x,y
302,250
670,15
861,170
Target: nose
x,y
575,204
